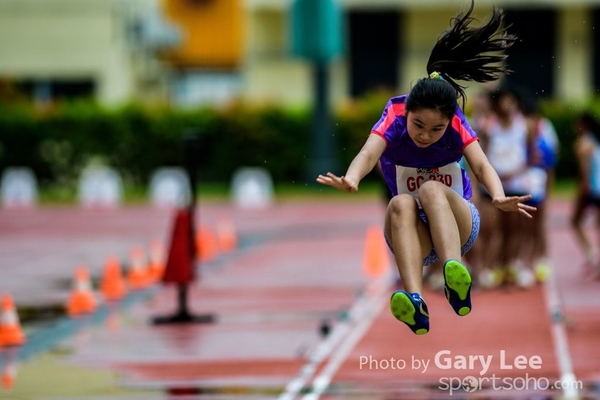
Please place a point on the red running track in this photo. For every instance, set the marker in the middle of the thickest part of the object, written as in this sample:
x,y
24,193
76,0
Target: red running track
x,y
300,265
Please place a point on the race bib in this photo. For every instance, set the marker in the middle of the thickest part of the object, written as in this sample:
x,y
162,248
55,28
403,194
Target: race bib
x,y
409,180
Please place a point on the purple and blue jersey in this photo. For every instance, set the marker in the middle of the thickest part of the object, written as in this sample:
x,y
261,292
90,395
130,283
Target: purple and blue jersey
x,y
406,166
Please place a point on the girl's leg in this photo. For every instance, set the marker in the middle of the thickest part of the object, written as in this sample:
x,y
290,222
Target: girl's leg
x,y
451,223
449,217
409,237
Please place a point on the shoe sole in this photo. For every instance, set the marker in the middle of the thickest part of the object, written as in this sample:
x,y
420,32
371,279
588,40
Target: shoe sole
x,y
404,310
458,279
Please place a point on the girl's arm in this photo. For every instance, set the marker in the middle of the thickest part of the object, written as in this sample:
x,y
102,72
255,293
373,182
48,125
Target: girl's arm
x,y
486,174
360,166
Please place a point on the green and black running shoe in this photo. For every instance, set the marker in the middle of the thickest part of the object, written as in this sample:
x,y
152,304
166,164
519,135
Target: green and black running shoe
x,y
457,286
411,309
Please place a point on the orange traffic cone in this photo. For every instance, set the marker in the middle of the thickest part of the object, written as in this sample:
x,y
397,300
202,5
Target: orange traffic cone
x,y
206,244
11,333
157,260
82,299
376,260
113,284
9,374
138,276
226,235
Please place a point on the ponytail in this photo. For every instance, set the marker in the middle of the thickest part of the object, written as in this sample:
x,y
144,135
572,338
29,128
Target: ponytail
x,y
471,53
461,53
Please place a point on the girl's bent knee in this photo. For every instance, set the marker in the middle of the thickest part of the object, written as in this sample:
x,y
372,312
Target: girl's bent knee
x,y
431,191
430,188
401,203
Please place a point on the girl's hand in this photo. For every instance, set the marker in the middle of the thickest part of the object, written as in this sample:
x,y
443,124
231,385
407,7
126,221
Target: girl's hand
x,y
514,203
338,182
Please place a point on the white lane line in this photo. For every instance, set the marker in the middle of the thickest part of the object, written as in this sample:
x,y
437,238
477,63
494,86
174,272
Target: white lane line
x,y
559,336
360,311
372,309
320,353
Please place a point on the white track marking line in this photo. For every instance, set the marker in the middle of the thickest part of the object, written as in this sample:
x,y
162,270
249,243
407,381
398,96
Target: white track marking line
x,y
372,308
559,336
361,311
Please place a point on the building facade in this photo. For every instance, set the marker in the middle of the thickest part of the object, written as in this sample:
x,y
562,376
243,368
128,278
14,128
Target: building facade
x,y
192,52
103,49
388,44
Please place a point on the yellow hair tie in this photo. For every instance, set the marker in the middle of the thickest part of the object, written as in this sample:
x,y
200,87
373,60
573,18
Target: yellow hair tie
x,y
436,75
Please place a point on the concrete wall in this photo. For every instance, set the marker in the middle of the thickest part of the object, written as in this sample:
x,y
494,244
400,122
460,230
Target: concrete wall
x,y
272,73
86,39
67,40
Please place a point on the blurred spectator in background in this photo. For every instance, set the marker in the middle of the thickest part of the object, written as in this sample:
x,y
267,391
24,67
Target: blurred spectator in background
x,y
587,149
543,156
506,141
481,265
482,110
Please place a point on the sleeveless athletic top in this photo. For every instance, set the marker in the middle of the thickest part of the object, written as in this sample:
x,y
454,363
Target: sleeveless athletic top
x,y
507,152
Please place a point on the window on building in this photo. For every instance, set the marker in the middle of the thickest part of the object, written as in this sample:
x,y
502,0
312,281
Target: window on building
x,y
374,50
532,58
51,90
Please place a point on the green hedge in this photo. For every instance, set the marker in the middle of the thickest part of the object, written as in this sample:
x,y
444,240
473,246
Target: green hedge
x,y
59,142
563,117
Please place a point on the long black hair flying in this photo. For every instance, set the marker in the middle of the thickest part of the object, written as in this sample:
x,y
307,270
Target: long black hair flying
x,y
462,53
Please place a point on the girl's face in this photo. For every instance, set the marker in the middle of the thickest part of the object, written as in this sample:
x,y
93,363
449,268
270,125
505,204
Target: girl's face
x,y
426,126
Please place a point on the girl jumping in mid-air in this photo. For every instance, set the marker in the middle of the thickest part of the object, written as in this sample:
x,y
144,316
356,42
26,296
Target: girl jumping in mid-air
x,y
418,143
